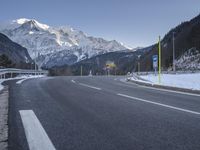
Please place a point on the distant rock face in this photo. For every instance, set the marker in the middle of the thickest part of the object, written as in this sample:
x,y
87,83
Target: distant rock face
x,y
14,51
56,46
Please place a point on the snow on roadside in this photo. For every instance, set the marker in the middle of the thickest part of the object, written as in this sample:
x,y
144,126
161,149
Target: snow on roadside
x,y
19,77
1,86
188,81
20,81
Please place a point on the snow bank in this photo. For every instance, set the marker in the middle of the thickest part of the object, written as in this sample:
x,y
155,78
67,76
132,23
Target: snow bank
x,y
19,77
188,81
1,86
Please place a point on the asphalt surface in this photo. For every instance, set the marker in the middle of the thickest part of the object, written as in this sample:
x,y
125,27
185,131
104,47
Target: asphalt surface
x,y
90,113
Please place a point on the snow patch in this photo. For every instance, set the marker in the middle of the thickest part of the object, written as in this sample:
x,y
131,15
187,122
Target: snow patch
x,y
31,32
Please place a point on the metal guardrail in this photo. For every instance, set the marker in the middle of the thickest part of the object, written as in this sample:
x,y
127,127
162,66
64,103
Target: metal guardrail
x,y
12,71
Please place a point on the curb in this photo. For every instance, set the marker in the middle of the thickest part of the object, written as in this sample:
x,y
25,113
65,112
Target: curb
x,y
165,87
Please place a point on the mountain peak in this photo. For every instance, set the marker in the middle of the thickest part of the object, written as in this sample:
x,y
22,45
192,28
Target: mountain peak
x,y
31,22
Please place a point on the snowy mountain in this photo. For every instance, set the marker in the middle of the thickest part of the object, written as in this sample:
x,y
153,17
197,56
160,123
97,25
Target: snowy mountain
x,y
55,46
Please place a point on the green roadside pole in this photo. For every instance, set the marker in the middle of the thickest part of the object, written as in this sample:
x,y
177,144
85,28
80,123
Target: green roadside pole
x,y
159,62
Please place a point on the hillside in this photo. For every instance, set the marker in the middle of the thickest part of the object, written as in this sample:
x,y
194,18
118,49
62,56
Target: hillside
x,y
123,61
190,60
11,51
187,36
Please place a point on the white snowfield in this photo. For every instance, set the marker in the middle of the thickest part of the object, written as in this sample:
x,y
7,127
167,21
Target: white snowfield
x,y
188,81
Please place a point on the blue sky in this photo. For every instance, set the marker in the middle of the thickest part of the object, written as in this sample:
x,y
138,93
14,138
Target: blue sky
x,y
133,22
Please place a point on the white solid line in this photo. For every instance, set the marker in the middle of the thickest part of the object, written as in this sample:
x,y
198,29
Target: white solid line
x,y
93,87
36,136
73,81
178,92
160,104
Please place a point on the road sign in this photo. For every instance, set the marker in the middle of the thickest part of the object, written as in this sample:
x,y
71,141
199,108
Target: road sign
x,y
155,61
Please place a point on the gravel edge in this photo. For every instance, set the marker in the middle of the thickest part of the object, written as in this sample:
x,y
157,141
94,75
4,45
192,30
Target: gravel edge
x,y
4,94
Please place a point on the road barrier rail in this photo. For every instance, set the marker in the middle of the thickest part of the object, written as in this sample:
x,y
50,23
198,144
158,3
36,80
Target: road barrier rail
x,y
10,71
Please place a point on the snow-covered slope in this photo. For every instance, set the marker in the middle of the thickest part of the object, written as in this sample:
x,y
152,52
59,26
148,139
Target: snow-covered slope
x,y
190,60
15,52
56,46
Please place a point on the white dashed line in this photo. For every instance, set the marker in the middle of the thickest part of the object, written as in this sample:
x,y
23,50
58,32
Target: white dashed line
x,y
36,136
160,104
93,87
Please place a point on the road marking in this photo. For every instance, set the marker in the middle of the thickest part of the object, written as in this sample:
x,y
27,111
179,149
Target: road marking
x,y
93,87
20,81
73,81
160,104
36,136
126,84
178,92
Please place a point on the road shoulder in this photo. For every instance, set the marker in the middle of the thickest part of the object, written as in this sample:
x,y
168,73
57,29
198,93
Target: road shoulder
x,y
164,87
4,119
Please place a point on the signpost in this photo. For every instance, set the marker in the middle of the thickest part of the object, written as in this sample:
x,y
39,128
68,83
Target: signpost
x,y
155,62
159,64
81,70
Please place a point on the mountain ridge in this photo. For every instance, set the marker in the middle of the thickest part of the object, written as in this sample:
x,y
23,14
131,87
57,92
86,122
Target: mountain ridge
x,y
43,40
187,52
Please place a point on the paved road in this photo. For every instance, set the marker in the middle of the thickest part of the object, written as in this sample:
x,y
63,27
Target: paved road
x,y
101,113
